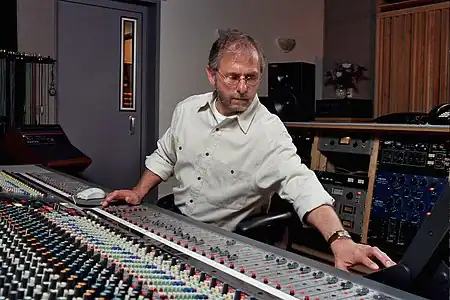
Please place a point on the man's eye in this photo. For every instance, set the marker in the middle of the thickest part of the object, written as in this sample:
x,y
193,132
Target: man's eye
x,y
234,77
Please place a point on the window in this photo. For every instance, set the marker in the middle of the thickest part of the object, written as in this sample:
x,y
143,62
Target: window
x,y
128,64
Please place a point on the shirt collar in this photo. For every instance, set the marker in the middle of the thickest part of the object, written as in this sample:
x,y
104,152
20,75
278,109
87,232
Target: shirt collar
x,y
244,119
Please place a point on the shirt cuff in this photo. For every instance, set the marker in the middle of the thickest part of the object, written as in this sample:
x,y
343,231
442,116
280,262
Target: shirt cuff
x,y
159,166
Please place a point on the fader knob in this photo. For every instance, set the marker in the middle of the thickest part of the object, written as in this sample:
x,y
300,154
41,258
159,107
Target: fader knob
x,y
281,261
305,270
362,291
213,282
332,280
347,285
225,288
237,295
318,275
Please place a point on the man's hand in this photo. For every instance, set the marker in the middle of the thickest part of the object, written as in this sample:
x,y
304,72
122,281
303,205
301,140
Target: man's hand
x,y
130,196
347,254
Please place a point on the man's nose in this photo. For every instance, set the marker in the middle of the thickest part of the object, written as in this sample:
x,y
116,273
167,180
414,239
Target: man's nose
x,y
242,86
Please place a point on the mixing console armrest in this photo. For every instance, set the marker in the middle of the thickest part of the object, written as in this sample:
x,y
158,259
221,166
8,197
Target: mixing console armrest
x,y
261,221
398,276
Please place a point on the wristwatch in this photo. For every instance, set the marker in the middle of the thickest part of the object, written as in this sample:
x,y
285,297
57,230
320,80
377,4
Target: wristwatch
x,y
338,235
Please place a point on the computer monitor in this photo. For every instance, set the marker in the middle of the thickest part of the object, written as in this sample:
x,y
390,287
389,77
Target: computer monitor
x,y
424,268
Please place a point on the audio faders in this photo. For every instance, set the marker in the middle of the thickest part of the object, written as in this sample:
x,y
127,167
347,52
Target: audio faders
x,y
280,274
52,252
51,248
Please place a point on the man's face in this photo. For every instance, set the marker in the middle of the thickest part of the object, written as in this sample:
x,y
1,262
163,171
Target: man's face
x,y
236,81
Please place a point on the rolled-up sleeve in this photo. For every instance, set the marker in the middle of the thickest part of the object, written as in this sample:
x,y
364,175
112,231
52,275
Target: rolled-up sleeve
x,y
283,172
163,159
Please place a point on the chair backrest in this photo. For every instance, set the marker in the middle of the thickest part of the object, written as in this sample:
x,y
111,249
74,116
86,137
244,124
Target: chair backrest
x,y
279,205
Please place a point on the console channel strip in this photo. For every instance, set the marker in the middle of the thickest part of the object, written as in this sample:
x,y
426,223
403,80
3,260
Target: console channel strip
x,y
279,275
10,184
53,252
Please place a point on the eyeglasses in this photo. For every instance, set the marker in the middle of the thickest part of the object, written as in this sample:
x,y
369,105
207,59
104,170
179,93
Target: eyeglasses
x,y
234,79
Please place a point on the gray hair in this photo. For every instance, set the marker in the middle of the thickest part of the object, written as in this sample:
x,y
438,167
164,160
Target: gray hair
x,y
233,40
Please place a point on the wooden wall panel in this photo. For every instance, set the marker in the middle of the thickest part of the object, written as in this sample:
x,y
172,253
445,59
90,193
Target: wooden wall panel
x,y
412,59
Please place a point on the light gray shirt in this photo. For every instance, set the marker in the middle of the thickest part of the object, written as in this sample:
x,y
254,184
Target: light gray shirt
x,y
228,170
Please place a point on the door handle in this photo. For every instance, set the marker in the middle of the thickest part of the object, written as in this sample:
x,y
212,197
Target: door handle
x,y
131,121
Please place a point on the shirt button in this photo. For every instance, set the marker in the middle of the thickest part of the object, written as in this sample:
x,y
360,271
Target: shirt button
x,y
198,178
207,154
217,129
191,201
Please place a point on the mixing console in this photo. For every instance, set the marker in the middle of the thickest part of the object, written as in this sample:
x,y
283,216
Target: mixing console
x,y
281,276
53,249
10,184
49,251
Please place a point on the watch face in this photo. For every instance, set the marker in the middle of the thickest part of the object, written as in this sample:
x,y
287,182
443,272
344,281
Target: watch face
x,y
343,234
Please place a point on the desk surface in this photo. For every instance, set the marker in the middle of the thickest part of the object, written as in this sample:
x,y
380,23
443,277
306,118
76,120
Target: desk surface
x,y
371,127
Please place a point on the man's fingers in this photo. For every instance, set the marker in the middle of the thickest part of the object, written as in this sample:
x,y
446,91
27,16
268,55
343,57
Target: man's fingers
x,y
369,263
341,266
382,257
111,197
129,196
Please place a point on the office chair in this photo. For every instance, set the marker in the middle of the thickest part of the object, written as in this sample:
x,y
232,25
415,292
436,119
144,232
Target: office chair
x,y
268,227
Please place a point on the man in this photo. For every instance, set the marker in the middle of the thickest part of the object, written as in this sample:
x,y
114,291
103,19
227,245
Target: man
x,y
229,155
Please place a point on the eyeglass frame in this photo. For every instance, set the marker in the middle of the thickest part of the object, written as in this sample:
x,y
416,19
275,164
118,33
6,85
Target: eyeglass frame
x,y
241,77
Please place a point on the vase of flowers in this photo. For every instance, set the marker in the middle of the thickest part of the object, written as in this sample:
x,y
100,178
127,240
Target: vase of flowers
x,y
344,77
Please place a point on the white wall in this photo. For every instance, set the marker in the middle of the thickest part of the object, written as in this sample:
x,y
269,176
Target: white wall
x,y
188,30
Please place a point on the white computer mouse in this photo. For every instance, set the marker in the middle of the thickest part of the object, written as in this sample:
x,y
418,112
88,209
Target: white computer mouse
x,y
91,193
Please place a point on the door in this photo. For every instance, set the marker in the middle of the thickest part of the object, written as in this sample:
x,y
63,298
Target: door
x,y
99,58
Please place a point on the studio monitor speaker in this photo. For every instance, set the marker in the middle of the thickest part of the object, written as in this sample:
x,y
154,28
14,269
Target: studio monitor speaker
x,y
8,23
291,93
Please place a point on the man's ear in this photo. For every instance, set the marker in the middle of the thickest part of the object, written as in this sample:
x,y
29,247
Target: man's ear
x,y
211,75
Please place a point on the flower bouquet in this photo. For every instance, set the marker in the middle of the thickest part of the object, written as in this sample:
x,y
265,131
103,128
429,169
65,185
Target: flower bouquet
x,y
344,77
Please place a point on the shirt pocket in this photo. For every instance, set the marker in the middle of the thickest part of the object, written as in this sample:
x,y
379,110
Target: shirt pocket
x,y
228,186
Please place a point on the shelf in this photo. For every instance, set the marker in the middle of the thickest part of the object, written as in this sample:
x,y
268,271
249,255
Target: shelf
x,y
372,127
397,5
